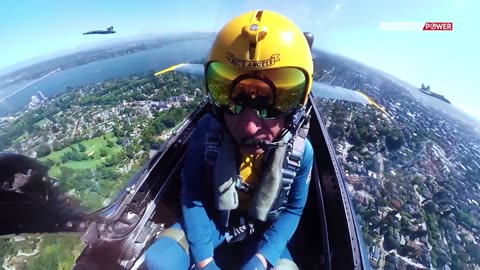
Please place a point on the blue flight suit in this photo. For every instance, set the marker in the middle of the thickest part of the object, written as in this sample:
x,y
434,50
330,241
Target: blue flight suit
x,y
201,221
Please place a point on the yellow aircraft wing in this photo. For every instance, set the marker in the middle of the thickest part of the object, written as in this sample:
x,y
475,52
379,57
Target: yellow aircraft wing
x,y
194,69
169,69
323,90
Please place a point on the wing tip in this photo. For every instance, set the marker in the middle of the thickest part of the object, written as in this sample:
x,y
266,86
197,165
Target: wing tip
x,y
373,103
171,68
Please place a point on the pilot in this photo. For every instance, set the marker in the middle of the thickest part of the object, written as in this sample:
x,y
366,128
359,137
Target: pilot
x,y
247,168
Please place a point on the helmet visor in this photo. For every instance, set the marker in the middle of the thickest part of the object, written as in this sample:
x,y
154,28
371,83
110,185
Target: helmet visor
x,y
279,90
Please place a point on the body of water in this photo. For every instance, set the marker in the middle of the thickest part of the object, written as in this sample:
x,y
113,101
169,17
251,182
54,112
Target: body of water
x,y
146,61
151,61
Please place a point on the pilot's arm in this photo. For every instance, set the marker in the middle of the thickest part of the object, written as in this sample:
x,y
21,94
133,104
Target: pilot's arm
x,y
274,240
194,195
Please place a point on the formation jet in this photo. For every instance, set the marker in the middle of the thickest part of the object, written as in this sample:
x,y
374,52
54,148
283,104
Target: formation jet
x,y
103,32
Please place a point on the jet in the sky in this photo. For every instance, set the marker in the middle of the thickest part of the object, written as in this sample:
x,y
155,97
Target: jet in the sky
x,y
103,32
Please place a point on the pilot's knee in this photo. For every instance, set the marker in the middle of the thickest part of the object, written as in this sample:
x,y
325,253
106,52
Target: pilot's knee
x,y
286,264
168,252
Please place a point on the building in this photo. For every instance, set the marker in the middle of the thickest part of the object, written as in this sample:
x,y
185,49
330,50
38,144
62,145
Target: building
x,y
34,103
35,99
374,254
41,96
353,178
396,204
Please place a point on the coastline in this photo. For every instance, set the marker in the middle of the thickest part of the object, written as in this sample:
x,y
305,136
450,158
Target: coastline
x,y
30,84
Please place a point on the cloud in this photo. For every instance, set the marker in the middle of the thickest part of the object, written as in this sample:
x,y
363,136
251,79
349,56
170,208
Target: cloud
x,y
335,10
337,7
325,20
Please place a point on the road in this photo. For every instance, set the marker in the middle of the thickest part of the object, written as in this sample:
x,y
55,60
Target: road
x,y
420,197
346,147
381,168
409,261
383,253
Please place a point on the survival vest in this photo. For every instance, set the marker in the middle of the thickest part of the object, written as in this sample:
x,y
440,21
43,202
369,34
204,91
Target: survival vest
x,y
279,169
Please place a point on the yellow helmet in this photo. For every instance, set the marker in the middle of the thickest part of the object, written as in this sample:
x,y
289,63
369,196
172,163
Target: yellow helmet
x,y
265,46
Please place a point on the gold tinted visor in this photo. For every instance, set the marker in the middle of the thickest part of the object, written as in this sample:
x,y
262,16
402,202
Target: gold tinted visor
x,y
281,89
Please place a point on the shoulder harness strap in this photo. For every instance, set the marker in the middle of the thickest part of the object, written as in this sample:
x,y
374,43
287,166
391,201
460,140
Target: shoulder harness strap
x,y
292,162
212,142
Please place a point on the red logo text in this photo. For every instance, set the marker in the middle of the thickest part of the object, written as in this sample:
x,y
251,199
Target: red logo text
x,y
438,26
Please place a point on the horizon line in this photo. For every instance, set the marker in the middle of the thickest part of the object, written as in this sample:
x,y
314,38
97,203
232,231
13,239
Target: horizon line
x,y
153,36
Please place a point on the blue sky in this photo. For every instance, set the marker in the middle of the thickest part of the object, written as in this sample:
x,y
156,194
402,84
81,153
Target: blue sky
x,y
447,61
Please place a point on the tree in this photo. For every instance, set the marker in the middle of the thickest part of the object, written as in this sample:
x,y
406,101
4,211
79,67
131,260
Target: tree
x,y
64,158
66,172
57,146
406,250
430,207
43,150
117,131
97,133
420,233
103,152
459,261
389,186
109,161
368,239
49,163
417,180
130,154
82,147
441,261
128,128
458,265
441,195
474,251
110,143
337,130
168,122
6,248
467,219
355,138
394,140
389,266
391,243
